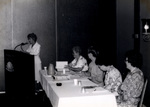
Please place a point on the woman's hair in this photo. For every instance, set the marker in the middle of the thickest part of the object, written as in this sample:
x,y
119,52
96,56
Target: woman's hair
x,y
33,36
93,51
135,58
77,49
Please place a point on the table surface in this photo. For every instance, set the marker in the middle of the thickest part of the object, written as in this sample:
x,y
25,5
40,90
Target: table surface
x,y
70,95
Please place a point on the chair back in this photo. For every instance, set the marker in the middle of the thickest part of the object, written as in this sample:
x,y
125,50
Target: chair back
x,y
143,93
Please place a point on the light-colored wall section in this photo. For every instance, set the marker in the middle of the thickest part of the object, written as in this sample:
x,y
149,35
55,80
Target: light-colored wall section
x,y
36,16
5,35
18,18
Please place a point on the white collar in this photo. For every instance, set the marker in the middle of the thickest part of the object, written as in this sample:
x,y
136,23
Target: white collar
x,y
133,69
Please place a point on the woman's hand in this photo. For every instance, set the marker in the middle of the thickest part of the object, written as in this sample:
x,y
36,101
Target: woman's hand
x,y
66,66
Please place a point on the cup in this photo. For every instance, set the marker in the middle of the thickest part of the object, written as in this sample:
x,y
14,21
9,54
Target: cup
x,y
45,70
75,82
83,90
79,83
64,71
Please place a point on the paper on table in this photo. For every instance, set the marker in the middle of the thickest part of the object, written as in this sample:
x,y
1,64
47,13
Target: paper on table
x,y
60,65
62,77
89,87
97,90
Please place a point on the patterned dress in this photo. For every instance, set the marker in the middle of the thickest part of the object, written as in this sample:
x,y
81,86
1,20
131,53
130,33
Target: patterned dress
x,y
131,89
113,79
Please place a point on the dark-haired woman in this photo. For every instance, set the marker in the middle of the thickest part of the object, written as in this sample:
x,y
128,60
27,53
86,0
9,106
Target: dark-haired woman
x,y
132,86
113,78
96,74
34,49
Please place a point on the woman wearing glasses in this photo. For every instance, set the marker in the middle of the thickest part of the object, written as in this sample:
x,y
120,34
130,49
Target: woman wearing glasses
x,y
131,88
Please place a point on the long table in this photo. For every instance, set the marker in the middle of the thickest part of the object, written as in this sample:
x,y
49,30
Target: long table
x,y
70,95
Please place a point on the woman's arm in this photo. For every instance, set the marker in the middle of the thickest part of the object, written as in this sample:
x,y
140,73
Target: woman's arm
x,y
75,69
35,50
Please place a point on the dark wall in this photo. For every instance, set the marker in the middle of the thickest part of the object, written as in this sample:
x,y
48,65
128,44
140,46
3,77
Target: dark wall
x,y
85,23
125,31
145,48
126,21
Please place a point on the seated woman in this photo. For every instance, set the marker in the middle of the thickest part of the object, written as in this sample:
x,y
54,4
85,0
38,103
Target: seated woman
x,y
79,63
131,88
113,78
95,73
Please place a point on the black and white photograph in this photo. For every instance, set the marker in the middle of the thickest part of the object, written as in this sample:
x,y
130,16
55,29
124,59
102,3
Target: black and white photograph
x,y
75,53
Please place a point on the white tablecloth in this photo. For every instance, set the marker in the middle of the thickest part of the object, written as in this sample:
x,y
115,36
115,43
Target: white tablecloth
x,y
69,95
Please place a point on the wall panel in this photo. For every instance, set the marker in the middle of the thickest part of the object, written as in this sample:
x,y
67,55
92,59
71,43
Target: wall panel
x,y
21,17
5,35
85,23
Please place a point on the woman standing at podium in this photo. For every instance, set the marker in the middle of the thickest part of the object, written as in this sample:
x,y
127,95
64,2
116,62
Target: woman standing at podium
x,y
34,49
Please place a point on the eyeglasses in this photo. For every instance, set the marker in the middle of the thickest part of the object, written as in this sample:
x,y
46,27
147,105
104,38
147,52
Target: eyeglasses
x,y
125,60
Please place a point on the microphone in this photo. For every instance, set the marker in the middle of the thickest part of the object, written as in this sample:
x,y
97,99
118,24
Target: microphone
x,y
24,43
21,45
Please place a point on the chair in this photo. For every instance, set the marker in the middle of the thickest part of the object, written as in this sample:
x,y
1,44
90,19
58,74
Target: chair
x,y
143,93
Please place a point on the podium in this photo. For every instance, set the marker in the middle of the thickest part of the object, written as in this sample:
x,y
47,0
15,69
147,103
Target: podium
x,y
19,74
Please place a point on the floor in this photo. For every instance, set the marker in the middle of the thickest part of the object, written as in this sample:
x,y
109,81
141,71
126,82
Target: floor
x,y
39,100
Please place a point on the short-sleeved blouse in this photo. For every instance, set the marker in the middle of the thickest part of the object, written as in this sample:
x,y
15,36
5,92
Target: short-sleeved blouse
x,y
81,62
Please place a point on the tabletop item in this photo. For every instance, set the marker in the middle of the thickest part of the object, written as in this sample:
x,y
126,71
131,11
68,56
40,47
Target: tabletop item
x,y
62,77
60,65
89,87
64,71
45,70
83,90
51,70
75,82
79,83
58,84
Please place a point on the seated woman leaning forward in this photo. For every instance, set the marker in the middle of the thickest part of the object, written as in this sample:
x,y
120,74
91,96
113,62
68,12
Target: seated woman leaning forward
x,y
113,78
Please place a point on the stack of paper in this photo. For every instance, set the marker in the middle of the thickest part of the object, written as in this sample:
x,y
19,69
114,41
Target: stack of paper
x,y
60,65
65,77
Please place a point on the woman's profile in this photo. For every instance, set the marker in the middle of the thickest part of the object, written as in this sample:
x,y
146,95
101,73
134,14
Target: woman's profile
x,y
34,49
